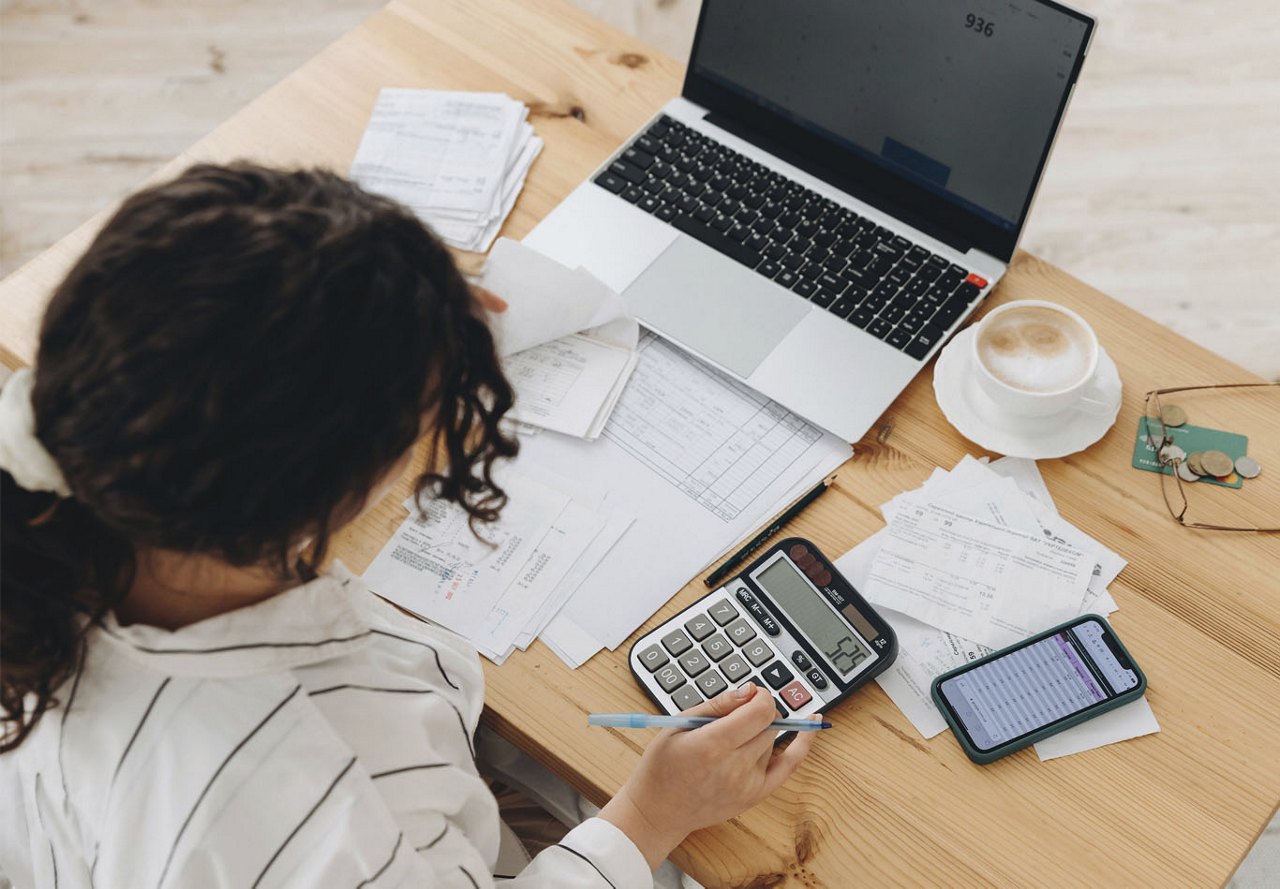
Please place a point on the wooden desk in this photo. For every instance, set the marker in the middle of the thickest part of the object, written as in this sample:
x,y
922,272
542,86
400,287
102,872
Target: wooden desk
x,y
874,803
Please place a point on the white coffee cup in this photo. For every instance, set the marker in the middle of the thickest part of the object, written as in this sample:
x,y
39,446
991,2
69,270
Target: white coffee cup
x,y
1034,359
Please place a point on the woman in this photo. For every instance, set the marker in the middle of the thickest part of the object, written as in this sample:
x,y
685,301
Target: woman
x,y
239,366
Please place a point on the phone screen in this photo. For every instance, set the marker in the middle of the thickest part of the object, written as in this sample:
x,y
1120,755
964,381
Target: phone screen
x,y
1038,684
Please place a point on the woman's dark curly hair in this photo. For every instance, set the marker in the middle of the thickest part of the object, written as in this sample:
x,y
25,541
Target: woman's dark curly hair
x,y
232,366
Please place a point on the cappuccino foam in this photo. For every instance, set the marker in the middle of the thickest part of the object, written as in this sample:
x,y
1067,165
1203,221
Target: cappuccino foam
x,y
1035,349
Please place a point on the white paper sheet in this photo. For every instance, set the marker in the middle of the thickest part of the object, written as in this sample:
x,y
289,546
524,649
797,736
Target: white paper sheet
x,y
1130,721
435,566
700,460
975,578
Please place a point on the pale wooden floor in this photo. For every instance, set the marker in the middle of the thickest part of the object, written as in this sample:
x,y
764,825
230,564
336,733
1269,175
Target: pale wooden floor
x,y
1163,189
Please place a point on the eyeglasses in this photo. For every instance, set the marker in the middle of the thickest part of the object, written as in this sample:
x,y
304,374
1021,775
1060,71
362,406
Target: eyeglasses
x,y
1203,420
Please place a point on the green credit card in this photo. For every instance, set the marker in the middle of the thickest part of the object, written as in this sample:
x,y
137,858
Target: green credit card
x,y
1190,439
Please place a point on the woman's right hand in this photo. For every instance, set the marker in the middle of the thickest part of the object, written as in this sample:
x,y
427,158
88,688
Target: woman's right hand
x,y
692,779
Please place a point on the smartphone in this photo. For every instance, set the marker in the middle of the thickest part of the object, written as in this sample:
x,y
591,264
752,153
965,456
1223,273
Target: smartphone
x,y
1038,687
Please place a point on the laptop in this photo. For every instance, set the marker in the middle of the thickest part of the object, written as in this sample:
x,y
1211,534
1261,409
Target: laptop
x,y
838,186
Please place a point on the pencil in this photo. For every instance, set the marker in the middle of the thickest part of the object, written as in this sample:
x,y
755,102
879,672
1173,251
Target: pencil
x,y
646,720
756,542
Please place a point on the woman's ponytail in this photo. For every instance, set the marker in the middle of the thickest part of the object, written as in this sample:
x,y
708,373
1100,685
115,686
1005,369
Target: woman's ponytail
x,y
59,569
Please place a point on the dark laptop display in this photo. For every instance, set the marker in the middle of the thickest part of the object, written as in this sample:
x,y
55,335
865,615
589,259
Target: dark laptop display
x,y
959,100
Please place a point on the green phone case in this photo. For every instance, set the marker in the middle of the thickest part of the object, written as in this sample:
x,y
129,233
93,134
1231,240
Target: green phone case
x,y
985,756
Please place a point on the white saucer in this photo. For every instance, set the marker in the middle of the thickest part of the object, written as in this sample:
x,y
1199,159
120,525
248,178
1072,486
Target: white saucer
x,y
977,418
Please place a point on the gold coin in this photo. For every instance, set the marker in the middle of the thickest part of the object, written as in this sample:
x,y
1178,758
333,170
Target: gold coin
x,y
1217,463
1193,462
1173,415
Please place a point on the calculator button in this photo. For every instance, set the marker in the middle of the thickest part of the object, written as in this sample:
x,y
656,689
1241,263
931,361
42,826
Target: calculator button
x,y
776,674
694,662
717,647
734,667
676,642
816,679
746,598
699,627
757,652
800,660
686,697
653,657
711,683
762,618
723,611
669,678
795,695
740,631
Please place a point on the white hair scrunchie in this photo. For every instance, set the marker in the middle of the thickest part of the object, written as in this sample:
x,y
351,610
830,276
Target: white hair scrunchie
x,y
21,453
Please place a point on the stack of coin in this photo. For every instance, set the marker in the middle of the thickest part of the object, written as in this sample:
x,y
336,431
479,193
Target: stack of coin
x,y
1199,464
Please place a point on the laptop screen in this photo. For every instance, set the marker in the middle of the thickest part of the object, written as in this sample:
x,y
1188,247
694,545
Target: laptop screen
x,y
960,99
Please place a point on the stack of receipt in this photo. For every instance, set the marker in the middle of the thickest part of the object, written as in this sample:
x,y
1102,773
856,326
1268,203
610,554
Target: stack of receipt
x,y
974,560
457,159
501,588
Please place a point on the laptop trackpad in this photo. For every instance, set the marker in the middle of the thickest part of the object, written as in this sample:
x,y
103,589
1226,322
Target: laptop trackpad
x,y
714,306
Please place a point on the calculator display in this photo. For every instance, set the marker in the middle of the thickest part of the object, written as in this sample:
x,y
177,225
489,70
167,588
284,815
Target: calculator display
x,y
813,615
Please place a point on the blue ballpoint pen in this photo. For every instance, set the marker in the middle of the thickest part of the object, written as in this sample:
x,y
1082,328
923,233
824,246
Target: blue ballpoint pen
x,y
647,720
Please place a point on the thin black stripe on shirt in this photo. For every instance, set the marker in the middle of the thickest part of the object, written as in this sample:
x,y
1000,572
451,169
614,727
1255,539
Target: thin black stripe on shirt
x,y
324,796
382,870
393,691
588,861
182,830
136,731
439,666
408,691
428,765
242,647
469,877
439,837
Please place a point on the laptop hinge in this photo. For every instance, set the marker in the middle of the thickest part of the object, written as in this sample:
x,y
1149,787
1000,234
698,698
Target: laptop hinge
x,y
858,190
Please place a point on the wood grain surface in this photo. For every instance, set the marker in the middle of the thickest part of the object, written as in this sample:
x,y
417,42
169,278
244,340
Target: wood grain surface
x,y
874,803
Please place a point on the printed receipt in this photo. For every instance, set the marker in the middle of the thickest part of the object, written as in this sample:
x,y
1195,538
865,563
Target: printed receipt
x,y
974,578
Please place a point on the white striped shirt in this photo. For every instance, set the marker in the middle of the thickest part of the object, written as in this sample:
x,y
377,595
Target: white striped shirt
x,y
318,738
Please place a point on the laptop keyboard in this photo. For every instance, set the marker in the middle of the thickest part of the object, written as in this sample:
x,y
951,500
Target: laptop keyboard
x,y
857,270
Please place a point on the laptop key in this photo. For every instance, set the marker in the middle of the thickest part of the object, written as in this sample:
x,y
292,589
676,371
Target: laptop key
x,y
805,288
844,306
630,172
721,223
768,268
879,328
632,193
862,316
898,338
648,143
823,297
787,278
716,240
648,203
641,159
968,292
666,213
611,182
831,282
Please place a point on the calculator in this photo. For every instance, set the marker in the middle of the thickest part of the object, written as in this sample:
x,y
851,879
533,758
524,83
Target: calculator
x,y
790,623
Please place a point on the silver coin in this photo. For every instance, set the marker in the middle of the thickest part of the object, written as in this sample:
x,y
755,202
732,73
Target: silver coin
x,y
1185,473
1171,453
1248,467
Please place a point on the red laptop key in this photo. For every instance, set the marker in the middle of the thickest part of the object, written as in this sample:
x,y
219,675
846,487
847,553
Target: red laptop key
x,y
976,280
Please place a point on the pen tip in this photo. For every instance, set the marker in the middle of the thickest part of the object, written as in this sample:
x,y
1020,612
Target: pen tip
x,y
826,725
